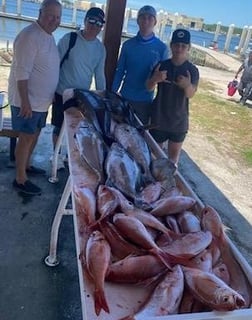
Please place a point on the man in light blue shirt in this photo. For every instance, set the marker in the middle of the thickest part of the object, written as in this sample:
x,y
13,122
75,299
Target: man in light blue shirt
x,y
137,58
86,59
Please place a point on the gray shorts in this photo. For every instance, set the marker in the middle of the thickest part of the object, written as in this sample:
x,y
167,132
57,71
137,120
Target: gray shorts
x,y
29,125
162,136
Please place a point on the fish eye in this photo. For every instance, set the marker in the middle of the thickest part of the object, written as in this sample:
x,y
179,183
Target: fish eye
x,y
225,299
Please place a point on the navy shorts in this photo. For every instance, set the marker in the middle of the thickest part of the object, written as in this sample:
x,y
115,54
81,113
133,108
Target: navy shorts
x,y
27,125
162,136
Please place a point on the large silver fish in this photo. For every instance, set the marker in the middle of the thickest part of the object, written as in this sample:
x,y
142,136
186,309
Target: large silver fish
x,y
91,147
122,171
133,142
92,107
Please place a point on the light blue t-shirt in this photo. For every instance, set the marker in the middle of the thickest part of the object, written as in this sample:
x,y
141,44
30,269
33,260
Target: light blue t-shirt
x,y
136,62
86,59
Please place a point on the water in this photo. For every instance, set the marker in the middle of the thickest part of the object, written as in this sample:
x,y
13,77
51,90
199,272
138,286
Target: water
x,y
9,28
200,38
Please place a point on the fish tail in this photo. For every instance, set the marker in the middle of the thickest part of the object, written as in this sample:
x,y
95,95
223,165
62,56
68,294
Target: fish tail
x,y
100,302
163,257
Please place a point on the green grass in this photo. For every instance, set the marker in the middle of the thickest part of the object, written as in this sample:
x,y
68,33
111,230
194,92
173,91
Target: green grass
x,y
248,156
224,123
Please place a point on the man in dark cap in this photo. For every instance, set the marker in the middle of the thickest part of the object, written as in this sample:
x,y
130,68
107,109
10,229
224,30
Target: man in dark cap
x,y
137,58
177,81
85,60
95,13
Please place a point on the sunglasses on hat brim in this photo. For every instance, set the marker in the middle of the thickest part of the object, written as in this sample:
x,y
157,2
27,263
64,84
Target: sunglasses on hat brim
x,y
98,23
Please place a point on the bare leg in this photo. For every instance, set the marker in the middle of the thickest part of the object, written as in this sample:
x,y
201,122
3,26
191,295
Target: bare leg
x,y
174,150
240,88
34,142
247,92
55,136
54,140
24,148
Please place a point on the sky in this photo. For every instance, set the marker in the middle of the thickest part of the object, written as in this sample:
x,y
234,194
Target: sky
x,y
227,12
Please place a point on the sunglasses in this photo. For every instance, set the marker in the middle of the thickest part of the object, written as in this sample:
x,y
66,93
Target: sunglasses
x,y
98,23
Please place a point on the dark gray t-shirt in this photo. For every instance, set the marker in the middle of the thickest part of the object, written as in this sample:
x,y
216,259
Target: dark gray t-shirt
x,y
170,106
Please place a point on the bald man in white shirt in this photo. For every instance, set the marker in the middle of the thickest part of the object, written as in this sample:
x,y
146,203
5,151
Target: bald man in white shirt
x,y
32,82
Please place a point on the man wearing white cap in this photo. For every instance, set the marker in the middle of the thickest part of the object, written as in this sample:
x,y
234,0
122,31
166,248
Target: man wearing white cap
x,y
137,58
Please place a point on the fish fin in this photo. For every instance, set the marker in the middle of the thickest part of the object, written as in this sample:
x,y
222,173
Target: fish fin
x,y
138,202
166,259
82,257
100,302
153,281
147,178
93,226
109,183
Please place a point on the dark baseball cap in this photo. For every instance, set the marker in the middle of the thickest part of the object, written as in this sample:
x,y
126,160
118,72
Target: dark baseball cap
x,y
181,36
147,10
95,12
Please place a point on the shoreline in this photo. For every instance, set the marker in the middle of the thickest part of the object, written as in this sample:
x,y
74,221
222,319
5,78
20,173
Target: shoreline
x,y
5,45
29,19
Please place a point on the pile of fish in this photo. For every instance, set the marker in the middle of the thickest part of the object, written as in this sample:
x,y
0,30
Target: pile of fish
x,y
136,227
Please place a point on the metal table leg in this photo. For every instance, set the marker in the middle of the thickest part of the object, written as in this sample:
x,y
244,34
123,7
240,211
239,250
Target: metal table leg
x,y
54,178
52,259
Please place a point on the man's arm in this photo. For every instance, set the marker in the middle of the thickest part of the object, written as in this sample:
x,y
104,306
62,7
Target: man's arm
x,y
26,50
25,108
239,70
100,80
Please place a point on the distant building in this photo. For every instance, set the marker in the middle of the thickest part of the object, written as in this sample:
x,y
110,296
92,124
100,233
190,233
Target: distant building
x,y
181,19
167,17
191,22
85,5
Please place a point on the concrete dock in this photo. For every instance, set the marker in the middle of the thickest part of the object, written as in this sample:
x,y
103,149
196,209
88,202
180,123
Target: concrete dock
x,y
215,59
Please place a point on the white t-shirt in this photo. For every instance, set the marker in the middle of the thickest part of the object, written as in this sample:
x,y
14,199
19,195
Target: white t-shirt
x,y
35,59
